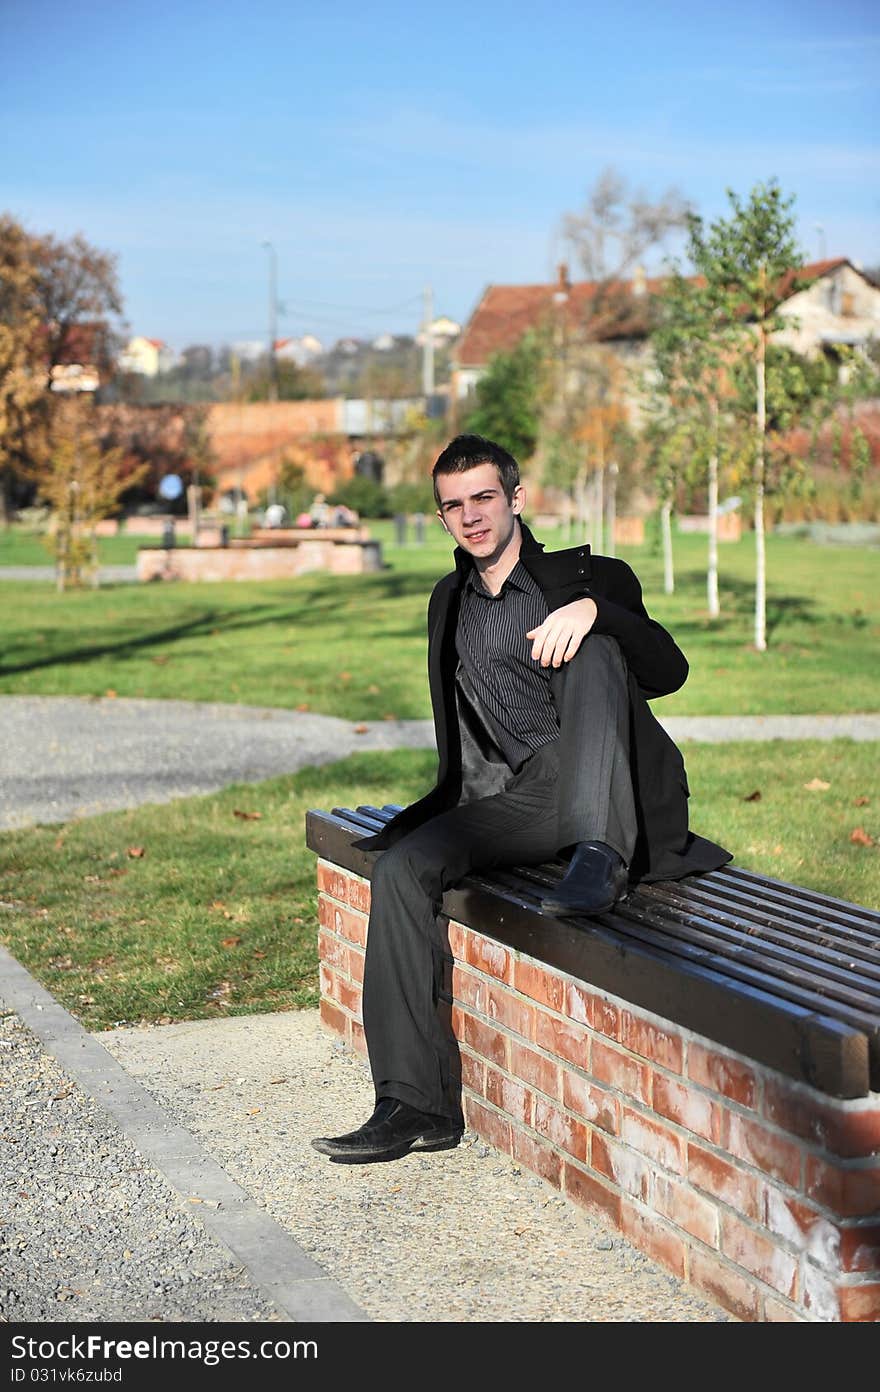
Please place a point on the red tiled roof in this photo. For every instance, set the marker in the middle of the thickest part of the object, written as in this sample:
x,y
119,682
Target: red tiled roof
x,y
506,312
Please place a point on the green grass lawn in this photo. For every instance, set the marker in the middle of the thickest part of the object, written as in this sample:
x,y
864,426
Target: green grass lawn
x,y
355,646
23,548
217,915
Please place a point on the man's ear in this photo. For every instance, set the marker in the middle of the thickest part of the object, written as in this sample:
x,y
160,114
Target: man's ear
x,y
442,520
518,501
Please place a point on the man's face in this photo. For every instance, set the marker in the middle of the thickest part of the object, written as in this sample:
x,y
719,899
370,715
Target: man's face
x,y
474,511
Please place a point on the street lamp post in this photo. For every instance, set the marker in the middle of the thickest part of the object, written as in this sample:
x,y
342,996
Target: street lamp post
x,y
273,320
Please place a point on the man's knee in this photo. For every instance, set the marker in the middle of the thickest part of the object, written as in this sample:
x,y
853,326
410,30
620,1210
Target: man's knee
x,y
413,860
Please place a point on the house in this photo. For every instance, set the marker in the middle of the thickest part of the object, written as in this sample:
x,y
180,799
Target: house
x,y
840,305
146,357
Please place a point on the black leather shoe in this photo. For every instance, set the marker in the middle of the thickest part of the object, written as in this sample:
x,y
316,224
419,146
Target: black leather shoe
x,y
393,1130
594,881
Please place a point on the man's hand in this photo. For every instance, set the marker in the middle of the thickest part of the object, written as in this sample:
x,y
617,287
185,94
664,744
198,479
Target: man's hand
x,y
558,638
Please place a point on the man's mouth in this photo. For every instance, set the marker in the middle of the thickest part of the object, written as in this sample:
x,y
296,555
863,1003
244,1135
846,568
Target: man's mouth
x,y
476,536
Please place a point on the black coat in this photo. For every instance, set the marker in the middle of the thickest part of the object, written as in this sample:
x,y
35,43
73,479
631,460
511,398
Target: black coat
x,y
665,849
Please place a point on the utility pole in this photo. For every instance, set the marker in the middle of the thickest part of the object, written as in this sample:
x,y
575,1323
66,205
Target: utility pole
x,y
428,346
273,320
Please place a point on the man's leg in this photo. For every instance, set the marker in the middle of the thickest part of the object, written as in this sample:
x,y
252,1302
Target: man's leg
x,y
597,815
410,1045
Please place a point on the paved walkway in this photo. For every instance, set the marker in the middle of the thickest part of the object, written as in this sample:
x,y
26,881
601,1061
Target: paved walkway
x,y
107,575
74,756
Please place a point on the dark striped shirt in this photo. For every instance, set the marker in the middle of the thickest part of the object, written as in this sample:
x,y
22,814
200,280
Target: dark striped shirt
x,y
512,688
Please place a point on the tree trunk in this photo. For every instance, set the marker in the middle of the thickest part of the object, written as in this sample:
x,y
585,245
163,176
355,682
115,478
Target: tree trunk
x,y
760,553
666,533
712,571
611,510
598,509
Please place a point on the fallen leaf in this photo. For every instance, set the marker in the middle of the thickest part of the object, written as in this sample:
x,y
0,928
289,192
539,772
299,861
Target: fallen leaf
x,y
110,694
258,953
345,676
136,852
753,797
861,837
861,802
303,706
22,1194
817,785
230,942
218,904
254,1111
246,816
160,659
164,1020
389,715
59,843
192,1199
361,729
273,1081
374,690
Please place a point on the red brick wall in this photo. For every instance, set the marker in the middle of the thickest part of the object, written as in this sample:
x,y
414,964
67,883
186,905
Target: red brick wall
x,y
758,1191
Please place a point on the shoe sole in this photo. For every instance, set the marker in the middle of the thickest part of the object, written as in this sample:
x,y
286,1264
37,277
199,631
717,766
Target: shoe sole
x,y
557,906
420,1143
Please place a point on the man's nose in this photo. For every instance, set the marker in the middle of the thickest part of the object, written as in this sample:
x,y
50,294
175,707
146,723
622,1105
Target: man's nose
x,y
472,513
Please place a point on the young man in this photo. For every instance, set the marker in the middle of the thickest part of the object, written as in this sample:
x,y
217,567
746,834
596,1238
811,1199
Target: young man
x,y
540,667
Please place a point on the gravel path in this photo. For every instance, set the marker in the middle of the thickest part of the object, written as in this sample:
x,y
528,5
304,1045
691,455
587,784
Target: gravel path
x,y
74,756
107,575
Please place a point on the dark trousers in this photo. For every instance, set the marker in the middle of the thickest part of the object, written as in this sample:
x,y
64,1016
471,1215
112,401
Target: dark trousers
x,y
578,788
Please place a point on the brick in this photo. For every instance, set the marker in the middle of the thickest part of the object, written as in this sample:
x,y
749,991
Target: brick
x,y
358,1038
485,1039
649,1236
629,1075
650,1041
540,984
538,1157
819,1295
503,1006
629,1171
848,1130
332,950
356,962
458,936
566,1133
777,1312
493,1128
588,1008
768,1151
860,1248
344,922
489,957
596,1104
541,1072
687,1107
759,1255
717,1279
469,988
335,1019
722,1073
328,981
847,1191
686,1209
860,1303
804,1227
567,1040
509,1095
473,1072
359,895
657,1142
591,1193
349,995
333,882
730,1183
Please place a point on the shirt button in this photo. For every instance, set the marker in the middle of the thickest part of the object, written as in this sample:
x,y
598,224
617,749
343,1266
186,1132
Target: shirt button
x,y
582,571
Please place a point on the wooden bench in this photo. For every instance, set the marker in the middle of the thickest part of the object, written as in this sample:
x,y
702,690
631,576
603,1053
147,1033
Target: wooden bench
x,y
700,1067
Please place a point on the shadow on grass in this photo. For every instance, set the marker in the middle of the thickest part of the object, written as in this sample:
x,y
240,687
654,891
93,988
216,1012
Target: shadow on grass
x,y
327,601
738,601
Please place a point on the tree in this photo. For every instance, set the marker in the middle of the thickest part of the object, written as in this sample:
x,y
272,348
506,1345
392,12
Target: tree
x,y
688,393
56,299
508,399
749,261
82,483
590,401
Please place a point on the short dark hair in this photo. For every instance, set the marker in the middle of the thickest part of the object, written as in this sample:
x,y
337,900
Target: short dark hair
x,y
467,452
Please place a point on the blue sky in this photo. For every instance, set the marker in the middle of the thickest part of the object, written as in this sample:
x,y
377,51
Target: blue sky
x,y
380,148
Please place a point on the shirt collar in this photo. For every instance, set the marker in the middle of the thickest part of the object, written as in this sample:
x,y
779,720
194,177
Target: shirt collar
x,y
518,579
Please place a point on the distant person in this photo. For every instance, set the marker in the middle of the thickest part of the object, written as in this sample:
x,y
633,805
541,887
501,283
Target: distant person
x,y
276,515
344,517
541,668
304,519
320,511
